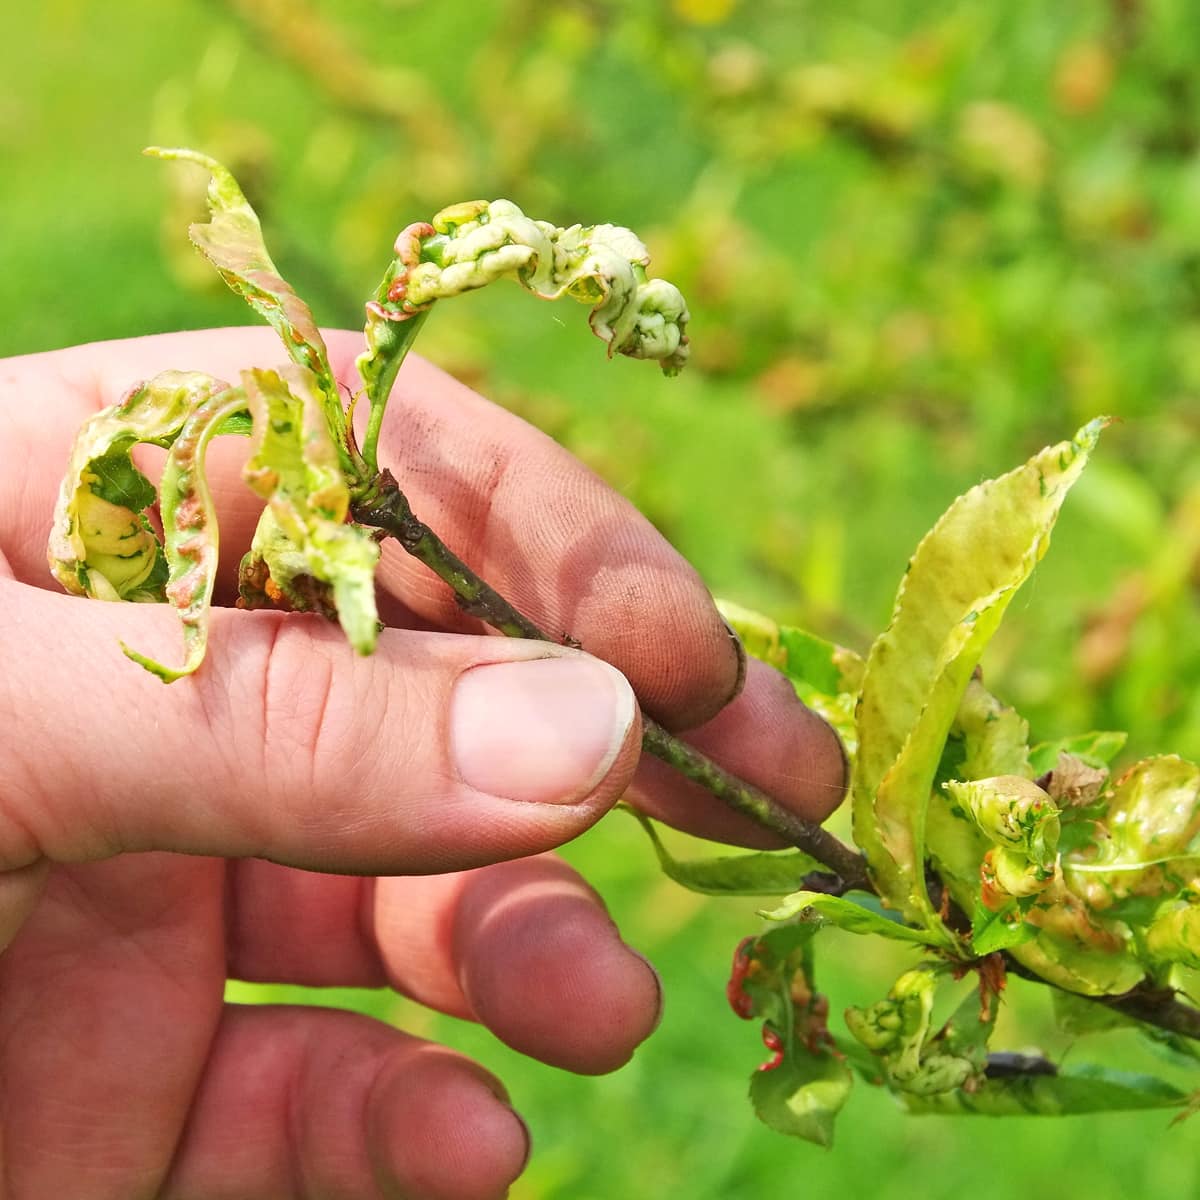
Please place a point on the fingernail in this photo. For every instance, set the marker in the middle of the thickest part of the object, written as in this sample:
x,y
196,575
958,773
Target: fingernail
x,y
545,730
740,650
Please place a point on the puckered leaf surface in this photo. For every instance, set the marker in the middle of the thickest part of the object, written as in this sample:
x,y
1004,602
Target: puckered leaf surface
x,y
101,543
191,540
303,536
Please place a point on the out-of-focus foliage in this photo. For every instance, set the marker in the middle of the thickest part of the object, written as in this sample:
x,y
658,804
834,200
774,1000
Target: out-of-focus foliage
x,y
919,242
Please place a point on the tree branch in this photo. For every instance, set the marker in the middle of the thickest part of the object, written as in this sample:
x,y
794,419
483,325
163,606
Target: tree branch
x,y
388,509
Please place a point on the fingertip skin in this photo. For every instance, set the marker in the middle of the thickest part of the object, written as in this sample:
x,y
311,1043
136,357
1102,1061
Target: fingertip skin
x,y
543,966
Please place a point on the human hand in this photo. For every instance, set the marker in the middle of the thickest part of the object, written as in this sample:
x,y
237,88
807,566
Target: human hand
x,y
294,813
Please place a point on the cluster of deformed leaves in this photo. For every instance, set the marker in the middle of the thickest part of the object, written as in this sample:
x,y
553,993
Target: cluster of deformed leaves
x,y
979,844
306,463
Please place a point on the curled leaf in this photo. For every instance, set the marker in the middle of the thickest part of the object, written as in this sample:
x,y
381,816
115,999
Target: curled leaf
x,y
469,245
1174,936
303,543
916,1061
1072,1091
190,529
101,543
1012,812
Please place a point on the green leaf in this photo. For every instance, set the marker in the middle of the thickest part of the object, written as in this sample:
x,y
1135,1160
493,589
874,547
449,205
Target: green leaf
x,y
1000,930
1072,1092
847,915
190,530
233,242
117,481
959,583
101,544
995,736
1098,749
759,874
314,557
803,1087
803,1095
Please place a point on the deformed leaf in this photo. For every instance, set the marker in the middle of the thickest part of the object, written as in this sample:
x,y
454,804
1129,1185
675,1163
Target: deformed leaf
x,y
303,535
1150,841
765,873
190,529
806,1082
959,583
101,543
802,1095
915,1060
1011,811
468,245
1174,937
847,915
232,240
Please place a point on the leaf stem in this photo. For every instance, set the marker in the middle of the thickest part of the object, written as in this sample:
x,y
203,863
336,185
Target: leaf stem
x,y
388,509
392,340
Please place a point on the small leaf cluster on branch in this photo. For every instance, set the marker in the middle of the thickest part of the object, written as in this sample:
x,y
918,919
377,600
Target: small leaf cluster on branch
x,y
981,851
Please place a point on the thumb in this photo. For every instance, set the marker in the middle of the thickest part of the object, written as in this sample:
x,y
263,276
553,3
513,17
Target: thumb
x,y
439,753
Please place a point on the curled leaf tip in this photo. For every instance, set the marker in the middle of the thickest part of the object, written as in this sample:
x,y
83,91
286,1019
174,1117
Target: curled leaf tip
x,y
469,245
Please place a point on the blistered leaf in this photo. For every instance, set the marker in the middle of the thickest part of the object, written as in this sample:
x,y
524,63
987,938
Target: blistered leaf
x,y
232,240
804,1085
1148,842
847,915
1011,811
959,583
303,535
101,543
802,1095
766,873
469,245
914,1060
1174,937
190,529
1071,1092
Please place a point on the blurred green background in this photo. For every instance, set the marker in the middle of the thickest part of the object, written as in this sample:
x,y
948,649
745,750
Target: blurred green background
x,y
919,242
